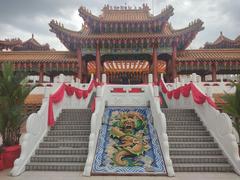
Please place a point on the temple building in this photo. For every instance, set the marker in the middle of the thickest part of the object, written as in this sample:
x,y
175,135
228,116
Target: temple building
x,y
126,44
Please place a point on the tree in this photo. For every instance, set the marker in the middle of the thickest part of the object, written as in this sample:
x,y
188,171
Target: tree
x,y
232,106
13,91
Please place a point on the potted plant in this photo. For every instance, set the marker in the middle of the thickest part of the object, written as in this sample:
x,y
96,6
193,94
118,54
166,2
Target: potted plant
x,y
232,107
13,91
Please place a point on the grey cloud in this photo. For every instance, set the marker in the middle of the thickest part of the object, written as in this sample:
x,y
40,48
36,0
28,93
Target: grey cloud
x,y
33,16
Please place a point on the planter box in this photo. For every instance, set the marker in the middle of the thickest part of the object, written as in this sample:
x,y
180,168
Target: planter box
x,y
10,154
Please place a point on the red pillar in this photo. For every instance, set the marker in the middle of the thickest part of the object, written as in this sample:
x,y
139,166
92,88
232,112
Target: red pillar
x,y
80,70
98,64
155,75
41,73
214,72
174,59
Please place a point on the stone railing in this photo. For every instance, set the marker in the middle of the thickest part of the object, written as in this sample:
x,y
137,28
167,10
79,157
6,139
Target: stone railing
x,y
37,125
128,95
218,124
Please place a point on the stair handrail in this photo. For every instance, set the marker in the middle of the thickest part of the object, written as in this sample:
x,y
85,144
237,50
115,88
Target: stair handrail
x,y
219,124
37,125
107,95
96,122
160,126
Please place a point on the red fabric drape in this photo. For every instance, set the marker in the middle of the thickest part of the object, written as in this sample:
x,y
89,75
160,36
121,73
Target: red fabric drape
x,y
85,94
169,94
58,96
69,90
185,90
54,98
197,95
176,93
93,105
78,93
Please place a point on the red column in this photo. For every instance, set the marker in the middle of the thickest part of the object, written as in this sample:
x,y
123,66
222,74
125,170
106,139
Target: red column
x,y
98,64
155,61
174,59
41,73
214,72
80,69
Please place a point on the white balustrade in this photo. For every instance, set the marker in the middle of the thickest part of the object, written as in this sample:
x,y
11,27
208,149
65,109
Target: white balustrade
x,y
218,124
37,125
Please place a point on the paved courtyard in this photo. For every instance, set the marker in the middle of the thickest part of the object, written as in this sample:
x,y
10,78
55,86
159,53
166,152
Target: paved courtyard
x,y
36,175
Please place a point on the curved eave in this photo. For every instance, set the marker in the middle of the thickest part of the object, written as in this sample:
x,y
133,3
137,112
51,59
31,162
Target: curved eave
x,y
209,55
38,56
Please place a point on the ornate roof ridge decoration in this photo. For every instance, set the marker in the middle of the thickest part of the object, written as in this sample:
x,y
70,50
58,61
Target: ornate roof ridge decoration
x,y
125,13
126,34
223,42
18,45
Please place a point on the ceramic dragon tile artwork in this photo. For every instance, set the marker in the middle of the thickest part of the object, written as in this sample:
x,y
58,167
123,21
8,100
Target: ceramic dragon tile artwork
x,y
128,143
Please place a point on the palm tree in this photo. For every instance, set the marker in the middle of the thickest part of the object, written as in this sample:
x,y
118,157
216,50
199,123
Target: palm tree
x,y
13,91
232,106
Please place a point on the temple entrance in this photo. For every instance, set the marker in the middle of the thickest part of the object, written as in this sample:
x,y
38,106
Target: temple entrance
x,y
165,66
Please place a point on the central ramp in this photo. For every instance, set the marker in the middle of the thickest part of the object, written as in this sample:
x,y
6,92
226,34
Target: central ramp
x,y
128,144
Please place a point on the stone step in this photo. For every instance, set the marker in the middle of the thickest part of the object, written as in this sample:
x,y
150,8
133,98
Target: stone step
x,y
183,123
187,133
202,167
195,151
55,166
193,145
62,151
182,116
177,110
63,144
199,127
182,119
66,138
76,110
82,118
59,158
69,133
190,139
199,159
69,122
71,127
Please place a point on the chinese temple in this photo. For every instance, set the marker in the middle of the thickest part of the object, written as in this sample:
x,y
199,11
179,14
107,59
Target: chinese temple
x,y
123,115
126,44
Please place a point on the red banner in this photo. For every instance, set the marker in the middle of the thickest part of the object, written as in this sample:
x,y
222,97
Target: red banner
x,y
59,95
197,95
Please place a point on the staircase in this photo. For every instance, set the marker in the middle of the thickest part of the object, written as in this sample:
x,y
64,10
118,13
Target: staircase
x,y
192,148
65,147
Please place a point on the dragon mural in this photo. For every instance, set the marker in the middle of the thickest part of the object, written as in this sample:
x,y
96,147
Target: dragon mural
x,y
129,142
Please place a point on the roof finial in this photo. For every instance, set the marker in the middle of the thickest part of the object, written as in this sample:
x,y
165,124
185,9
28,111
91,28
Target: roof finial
x,y
32,35
221,33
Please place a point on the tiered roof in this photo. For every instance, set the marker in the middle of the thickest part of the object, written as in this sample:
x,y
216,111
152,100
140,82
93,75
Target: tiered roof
x,y
38,56
209,55
17,45
124,26
223,42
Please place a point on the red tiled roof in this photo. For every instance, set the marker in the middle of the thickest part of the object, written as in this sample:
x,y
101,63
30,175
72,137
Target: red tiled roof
x,y
38,56
126,14
209,54
223,42
168,32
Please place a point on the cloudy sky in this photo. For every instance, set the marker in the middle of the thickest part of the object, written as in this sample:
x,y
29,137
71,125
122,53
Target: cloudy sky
x,y
21,18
